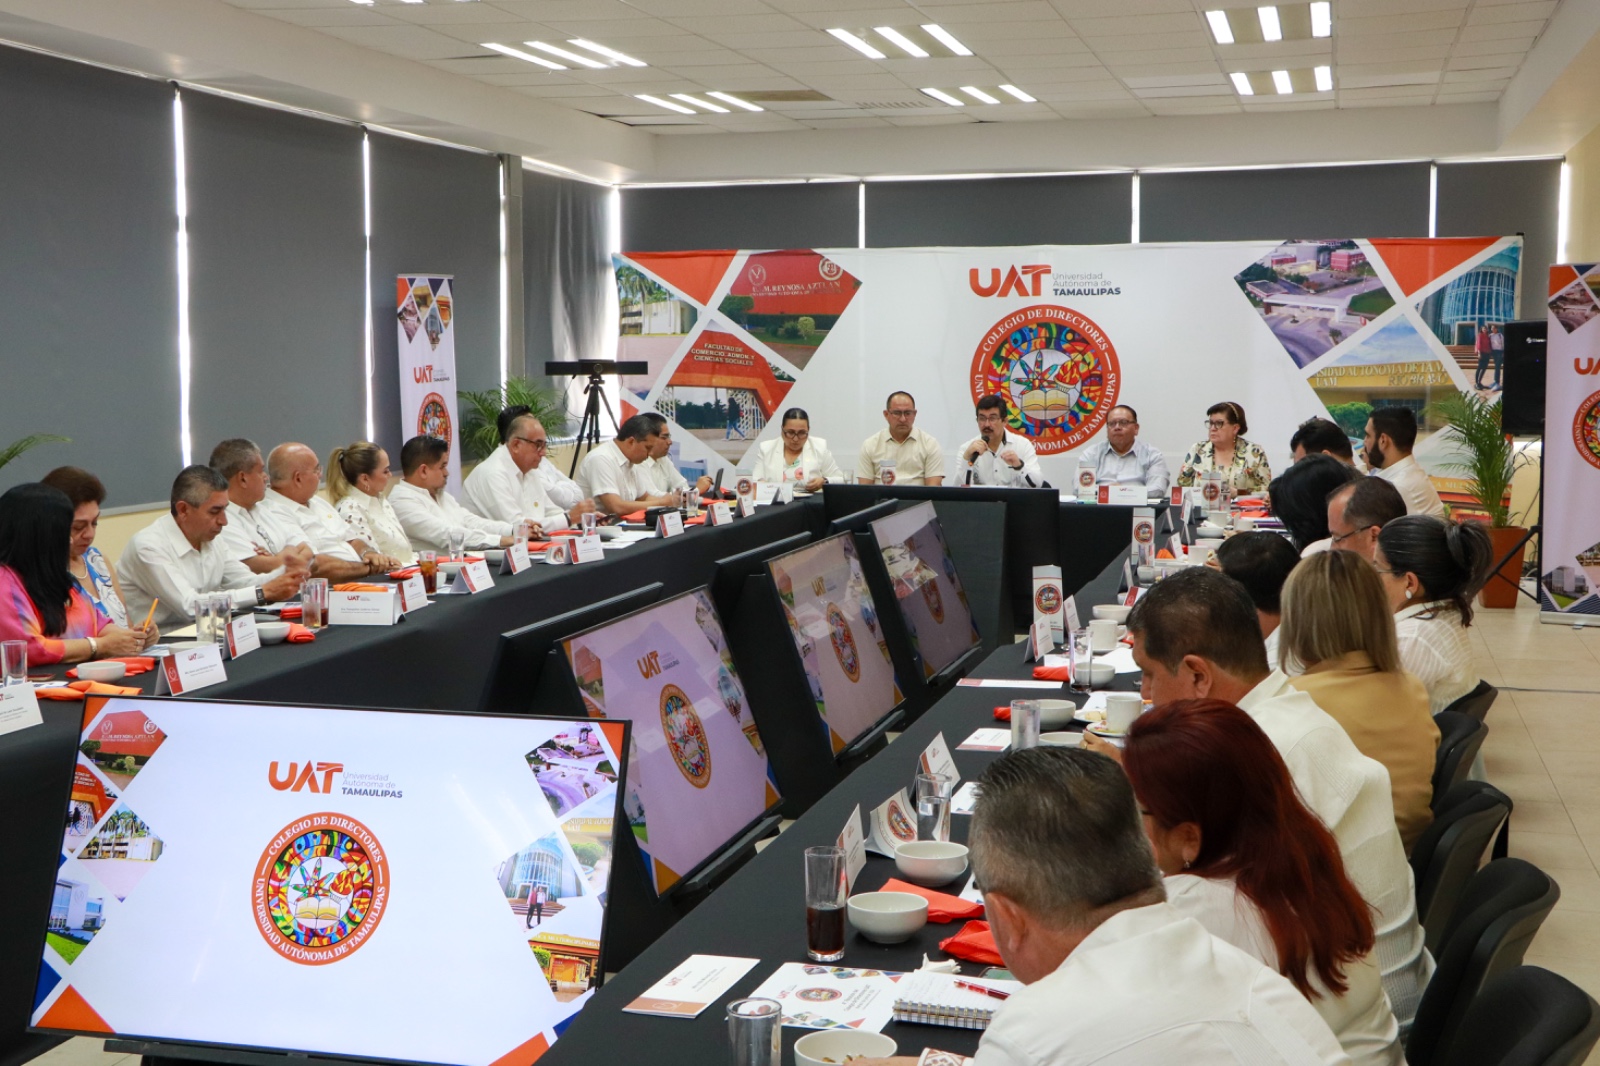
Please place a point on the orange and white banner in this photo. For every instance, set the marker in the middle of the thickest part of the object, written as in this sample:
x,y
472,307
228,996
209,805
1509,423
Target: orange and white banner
x,y
1569,563
424,319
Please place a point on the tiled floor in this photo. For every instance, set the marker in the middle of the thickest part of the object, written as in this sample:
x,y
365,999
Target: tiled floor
x,y
1543,751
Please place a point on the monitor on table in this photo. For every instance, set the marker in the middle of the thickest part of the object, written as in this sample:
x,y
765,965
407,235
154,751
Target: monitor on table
x,y
698,774
926,587
404,885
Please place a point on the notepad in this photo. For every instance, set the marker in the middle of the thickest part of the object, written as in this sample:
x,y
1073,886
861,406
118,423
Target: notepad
x,y
935,999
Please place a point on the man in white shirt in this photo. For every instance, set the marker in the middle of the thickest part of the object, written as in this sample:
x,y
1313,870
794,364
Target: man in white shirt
x,y
1196,636
175,559
1123,459
295,475
658,471
1390,436
561,489
611,472
1357,513
427,512
997,456
1112,973
900,454
264,542
507,483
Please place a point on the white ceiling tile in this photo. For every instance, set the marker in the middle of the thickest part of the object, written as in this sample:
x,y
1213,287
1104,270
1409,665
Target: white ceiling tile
x,y
630,79
1470,88
937,69
950,16
1486,74
712,26
527,76
1426,78
950,117
640,29
1147,41
538,10
1117,60
831,68
853,123
1501,31
975,33
254,4
1285,50
1126,71
1027,79
1492,62
1410,39
1086,9
318,17
1178,107
1515,46
778,57
556,90
1512,12
429,14
860,18
1470,98
1184,90
806,38
860,87
1171,81
1392,24
807,7
1038,46
1139,25
1356,9
1431,56
410,42
695,8
1101,111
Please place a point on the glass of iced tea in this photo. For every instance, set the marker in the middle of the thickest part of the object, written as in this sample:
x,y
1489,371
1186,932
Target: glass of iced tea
x,y
428,567
314,603
826,888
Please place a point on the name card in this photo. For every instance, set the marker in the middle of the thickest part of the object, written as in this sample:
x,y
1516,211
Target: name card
x,y
475,575
745,486
719,514
1143,549
413,594
1047,600
559,553
747,507
1069,621
1086,482
936,759
1177,497
587,549
766,492
1123,495
854,845
243,637
363,608
894,822
785,492
19,709
1040,640
516,559
190,669
669,524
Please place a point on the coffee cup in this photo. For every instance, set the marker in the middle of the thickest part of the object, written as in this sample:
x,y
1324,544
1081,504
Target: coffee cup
x,y
1218,518
1121,709
1102,635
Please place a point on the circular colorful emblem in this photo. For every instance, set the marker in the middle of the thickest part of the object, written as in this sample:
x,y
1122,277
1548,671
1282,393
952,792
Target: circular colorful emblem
x,y
686,736
1586,430
433,417
829,270
900,825
818,995
844,644
935,602
1056,370
1047,599
320,889
1144,532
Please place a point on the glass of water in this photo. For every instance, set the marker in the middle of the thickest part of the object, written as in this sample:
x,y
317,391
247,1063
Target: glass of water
x,y
458,545
13,663
933,806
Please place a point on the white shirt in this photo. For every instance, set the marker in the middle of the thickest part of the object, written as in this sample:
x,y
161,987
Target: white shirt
x,y
815,461
1408,476
255,527
1149,986
990,470
374,521
1350,793
659,476
496,489
564,492
1360,1019
605,470
1317,547
319,523
915,459
1436,650
1142,465
428,519
160,563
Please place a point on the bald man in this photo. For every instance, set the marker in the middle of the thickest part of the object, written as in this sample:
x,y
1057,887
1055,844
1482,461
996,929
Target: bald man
x,y
294,475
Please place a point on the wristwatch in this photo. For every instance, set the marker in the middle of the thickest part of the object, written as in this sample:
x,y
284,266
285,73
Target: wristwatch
x,y
261,595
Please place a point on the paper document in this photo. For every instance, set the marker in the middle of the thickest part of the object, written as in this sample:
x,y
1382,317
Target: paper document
x,y
819,996
695,984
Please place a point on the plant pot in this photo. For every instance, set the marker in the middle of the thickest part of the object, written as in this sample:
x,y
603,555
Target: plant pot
x,y
1498,593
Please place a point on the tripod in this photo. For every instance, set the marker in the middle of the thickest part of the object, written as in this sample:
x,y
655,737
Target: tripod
x,y
589,427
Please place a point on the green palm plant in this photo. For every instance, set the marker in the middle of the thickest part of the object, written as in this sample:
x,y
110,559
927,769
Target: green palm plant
x,y
1490,460
479,410
17,447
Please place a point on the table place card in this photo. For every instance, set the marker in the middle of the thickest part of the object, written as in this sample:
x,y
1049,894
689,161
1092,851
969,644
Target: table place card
x,y
19,709
935,1057
559,553
476,575
1087,476
766,492
1069,621
366,608
1177,498
669,524
1175,545
692,986
719,514
1006,682
1062,660
1047,599
1143,547
190,669
854,846
966,797
1127,575
1123,495
516,559
243,637
588,549
894,822
413,594
785,493
936,759
1133,596
1041,640
747,507
985,740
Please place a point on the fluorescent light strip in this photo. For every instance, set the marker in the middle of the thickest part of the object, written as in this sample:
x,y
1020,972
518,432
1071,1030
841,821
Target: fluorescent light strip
x,y
609,53
735,101
1271,28
1134,235
1433,200
1241,83
1322,19
364,3
945,98
907,45
978,94
562,53
505,276
1019,94
1221,32
185,352
668,104
857,43
861,215
697,102
517,53
1563,214
1324,79
1281,82
946,38
366,231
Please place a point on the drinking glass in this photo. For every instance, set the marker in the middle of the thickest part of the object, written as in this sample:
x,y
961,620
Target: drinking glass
x,y
933,805
754,1026
826,889
13,663
1078,643
458,545
314,602
1024,724
589,521
221,617
428,567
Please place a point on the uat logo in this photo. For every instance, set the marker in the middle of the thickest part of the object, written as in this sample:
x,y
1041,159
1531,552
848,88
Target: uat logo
x,y
650,665
422,374
302,777
1016,281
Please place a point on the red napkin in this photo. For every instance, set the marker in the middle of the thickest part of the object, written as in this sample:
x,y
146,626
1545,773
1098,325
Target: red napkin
x,y
637,516
136,664
942,907
1052,673
1162,553
974,943
299,634
79,689
568,532
405,572
291,612
539,545
1002,714
698,520
359,586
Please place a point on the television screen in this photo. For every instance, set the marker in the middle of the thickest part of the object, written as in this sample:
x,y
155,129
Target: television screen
x,y
835,628
428,887
697,773
926,586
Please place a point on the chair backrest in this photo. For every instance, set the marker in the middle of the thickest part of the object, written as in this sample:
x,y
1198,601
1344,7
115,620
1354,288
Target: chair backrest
x,y
1476,703
1460,737
1501,910
1448,852
1527,1017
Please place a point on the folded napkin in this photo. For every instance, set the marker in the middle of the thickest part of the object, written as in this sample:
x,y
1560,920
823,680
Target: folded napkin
x,y
974,943
291,612
1002,714
299,634
1052,673
539,545
77,690
637,516
1163,553
136,664
942,907
568,532
358,586
405,572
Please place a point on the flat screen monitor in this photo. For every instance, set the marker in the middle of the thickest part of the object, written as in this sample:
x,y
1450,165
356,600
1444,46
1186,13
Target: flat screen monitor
x,y
405,885
926,586
697,772
835,628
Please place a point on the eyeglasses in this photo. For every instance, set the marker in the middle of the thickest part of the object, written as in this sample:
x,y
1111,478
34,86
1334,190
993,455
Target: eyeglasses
x,y
990,420
1217,423
912,413
797,434
539,444
1353,532
1121,423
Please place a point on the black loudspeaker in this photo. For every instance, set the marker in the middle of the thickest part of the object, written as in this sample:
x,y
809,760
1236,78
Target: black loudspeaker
x,y
1522,398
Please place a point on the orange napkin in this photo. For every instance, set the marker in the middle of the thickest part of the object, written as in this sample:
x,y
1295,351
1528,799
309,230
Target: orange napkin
x,y
539,545
566,532
357,586
1162,553
974,943
405,572
1002,714
1052,673
637,516
291,612
136,664
697,520
299,634
77,690
942,907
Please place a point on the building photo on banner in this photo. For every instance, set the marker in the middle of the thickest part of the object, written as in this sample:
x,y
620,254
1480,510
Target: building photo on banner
x,y
1569,582
1288,329
424,314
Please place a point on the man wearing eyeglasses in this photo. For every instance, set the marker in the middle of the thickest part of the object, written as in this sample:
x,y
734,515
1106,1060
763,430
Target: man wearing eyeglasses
x,y
901,454
1122,459
657,472
507,484
613,472
1357,512
996,456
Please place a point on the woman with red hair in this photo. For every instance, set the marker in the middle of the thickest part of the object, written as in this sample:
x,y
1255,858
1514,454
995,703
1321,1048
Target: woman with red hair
x,y
1245,858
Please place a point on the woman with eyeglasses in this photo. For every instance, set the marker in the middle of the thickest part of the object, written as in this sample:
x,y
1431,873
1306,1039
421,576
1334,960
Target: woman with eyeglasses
x,y
1430,570
357,476
797,456
91,571
1243,464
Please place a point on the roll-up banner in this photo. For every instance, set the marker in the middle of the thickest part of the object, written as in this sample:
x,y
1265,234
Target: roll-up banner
x,y
424,314
1288,329
1570,558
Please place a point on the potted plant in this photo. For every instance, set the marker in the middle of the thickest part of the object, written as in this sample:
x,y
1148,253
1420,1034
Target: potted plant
x,y
479,410
17,447
1489,461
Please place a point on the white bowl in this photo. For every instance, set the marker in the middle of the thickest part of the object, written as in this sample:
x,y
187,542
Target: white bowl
x,y
830,1047
1114,611
1244,525
1061,740
494,556
1219,518
272,632
102,671
887,917
1053,714
931,863
1100,674
1204,545
1214,532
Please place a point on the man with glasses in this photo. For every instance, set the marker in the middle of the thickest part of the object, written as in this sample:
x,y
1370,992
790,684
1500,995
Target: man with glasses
x,y
996,456
1122,459
1358,512
657,473
902,454
507,485
612,472
295,475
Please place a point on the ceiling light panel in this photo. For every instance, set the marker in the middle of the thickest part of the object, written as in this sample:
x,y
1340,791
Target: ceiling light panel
x,y
1019,94
1324,77
946,38
857,43
716,109
1271,27
979,95
562,53
609,53
901,41
1281,82
1241,83
668,104
1322,19
527,57
945,98
1221,32
735,101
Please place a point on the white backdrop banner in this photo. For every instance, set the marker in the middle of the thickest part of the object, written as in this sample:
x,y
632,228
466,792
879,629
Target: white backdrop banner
x,y
424,315
1571,511
1288,329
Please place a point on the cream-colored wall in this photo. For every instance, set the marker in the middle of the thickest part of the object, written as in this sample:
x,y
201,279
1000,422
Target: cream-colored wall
x,y
1583,214
117,529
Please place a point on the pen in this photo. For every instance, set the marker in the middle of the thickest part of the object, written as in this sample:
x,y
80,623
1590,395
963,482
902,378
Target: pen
x,y
985,989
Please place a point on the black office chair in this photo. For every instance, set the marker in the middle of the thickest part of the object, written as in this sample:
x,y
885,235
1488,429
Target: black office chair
x,y
1460,737
1449,851
1476,703
1527,1017
1502,909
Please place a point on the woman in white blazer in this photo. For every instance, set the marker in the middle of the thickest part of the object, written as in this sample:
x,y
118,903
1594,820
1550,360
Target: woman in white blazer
x,y
797,456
